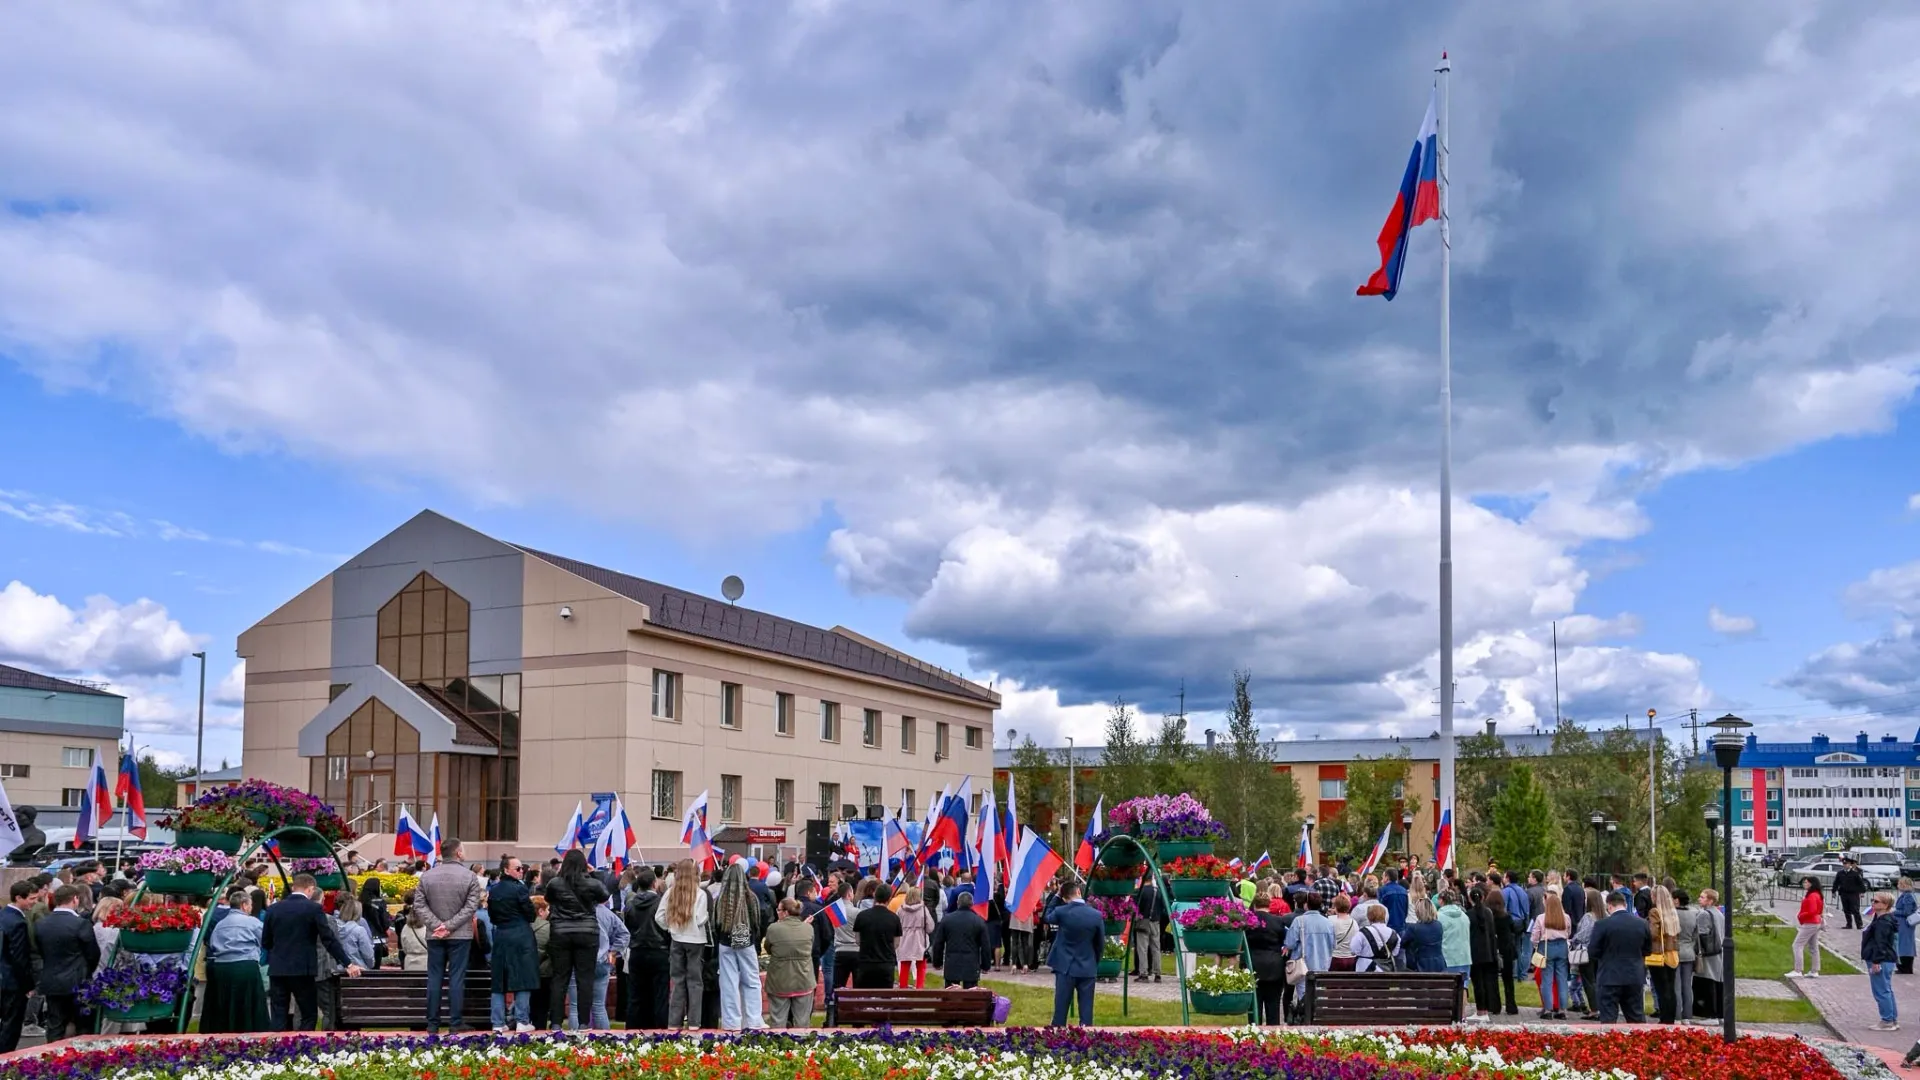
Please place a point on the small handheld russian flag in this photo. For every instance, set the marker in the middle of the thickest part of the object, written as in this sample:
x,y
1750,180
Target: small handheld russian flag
x,y
1264,862
1303,858
836,914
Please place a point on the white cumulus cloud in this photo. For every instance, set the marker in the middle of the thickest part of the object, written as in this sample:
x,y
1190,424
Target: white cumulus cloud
x,y
1730,625
138,638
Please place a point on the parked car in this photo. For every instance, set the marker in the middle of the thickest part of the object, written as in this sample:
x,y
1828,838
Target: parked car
x,y
1880,865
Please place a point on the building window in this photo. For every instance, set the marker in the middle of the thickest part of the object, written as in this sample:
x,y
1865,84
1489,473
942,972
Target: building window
x,y
76,757
70,796
729,798
829,721
973,737
1746,815
829,801
337,769
783,800
783,714
9,771
1333,790
666,795
940,751
906,803
976,806
909,735
870,798
1773,815
666,695
870,728
730,698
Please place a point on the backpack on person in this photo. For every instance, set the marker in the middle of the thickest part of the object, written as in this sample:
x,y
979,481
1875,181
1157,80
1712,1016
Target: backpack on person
x,y
1383,953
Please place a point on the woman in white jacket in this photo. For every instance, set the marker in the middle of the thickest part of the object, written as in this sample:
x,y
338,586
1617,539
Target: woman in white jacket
x,y
684,916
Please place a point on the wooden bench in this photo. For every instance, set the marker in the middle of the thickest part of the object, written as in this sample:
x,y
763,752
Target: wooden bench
x,y
949,1007
392,998
1384,997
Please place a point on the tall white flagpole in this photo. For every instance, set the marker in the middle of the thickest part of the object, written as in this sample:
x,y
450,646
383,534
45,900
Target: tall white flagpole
x,y
1446,449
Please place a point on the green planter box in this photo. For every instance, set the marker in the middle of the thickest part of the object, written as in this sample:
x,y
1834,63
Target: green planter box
x,y
1170,850
142,1011
1220,1004
330,882
156,942
303,846
1110,968
1122,853
1198,888
1116,927
218,841
256,817
1109,887
1222,942
198,884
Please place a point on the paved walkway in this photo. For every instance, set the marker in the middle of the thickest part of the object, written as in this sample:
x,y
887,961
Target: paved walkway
x,y
1846,1002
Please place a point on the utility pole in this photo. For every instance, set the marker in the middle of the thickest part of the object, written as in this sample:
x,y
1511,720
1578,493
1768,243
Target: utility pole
x,y
1556,673
1183,704
1653,797
1694,715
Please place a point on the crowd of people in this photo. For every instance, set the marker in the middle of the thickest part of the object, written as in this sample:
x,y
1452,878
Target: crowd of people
x,y
737,948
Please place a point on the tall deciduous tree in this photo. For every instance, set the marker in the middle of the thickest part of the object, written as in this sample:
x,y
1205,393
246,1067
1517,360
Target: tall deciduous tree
x,y
1172,759
1259,804
1522,835
1040,787
1377,790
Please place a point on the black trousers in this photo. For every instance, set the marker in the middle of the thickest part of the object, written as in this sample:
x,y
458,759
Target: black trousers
x,y
1850,907
872,976
1486,985
1619,1001
647,994
1706,998
844,964
1269,992
1664,998
574,959
302,992
13,1017
1506,980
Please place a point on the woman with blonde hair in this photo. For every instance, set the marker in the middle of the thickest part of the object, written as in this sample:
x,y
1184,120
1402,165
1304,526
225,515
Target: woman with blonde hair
x,y
1663,952
684,917
916,934
738,928
1551,933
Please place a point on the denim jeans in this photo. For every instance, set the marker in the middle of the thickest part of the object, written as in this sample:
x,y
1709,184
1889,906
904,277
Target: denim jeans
x,y
447,966
1880,977
597,1018
739,989
522,1009
1555,986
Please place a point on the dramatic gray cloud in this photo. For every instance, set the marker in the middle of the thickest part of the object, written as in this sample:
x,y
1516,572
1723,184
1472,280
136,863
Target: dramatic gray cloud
x,y
1051,305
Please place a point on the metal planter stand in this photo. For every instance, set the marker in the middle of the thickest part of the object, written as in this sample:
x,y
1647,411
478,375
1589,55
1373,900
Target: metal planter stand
x,y
1122,843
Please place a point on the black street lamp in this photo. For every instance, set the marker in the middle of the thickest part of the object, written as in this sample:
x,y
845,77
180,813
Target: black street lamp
x,y
1713,836
1312,857
1599,822
1613,845
1727,744
1406,833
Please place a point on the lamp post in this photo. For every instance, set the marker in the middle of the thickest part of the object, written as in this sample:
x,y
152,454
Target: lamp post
x,y
1613,837
1406,833
1713,857
1067,844
1310,856
200,730
1599,822
1727,744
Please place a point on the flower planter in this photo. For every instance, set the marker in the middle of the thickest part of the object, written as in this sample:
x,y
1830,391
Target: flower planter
x,y
229,843
1221,942
141,1011
256,817
1121,853
1183,849
156,942
1220,1004
1116,927
303,846
198,884
330,882
1198,888
1110,887
1109,969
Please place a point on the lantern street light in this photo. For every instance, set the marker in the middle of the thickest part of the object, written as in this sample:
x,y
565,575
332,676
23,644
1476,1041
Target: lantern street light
x,y
1728,741
1713,837
1310,848
1599,822
1406,832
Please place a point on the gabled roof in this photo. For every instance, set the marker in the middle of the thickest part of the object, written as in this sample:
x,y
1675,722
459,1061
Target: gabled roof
x,y
717,620
33,680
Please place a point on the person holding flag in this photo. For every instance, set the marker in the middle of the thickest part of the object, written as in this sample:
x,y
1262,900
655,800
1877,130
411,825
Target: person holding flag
x,y
1083,857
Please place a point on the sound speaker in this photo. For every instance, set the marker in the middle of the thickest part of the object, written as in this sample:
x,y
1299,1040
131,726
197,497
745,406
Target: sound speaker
x,y
819,843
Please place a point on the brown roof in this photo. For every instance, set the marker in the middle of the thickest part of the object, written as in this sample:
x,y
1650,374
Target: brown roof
x,y
466,730
33,680
688,613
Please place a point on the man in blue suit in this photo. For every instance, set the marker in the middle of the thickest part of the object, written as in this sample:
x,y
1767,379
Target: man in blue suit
x,y
293,932
1079,931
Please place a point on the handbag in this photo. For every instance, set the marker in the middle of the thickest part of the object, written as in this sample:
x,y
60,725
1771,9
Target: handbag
x,y
1671,958
1296,971
1539,959
1577,956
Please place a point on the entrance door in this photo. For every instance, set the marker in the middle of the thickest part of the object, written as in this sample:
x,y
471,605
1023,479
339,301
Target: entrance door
x,y
371,791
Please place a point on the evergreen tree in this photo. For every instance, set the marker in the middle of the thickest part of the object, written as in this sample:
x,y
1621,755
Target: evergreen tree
x,y
1040,787
1259,804
1521,838
1125,770
1171,761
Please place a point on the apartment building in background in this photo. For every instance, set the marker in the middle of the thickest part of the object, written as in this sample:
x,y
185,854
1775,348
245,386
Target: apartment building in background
x,y
51,732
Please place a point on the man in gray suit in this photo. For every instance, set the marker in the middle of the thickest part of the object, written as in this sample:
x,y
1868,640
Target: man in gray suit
x,y
447,900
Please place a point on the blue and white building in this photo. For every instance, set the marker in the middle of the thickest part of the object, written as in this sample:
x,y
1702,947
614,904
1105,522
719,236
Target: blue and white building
x,y
1810,792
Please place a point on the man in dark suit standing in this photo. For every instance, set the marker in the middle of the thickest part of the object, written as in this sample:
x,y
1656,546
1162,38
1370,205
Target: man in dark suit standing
x,y
1619,948
292,932
68,954
1078,934
16,963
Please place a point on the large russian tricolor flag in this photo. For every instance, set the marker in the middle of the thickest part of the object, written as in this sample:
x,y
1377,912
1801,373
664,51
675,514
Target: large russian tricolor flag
x,y
1417,202
1443,840
130,796
1379,851
96,806
1034,864
1303,857
408,839
1083,855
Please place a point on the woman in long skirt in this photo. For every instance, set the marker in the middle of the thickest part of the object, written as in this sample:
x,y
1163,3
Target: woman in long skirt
x,y
236,998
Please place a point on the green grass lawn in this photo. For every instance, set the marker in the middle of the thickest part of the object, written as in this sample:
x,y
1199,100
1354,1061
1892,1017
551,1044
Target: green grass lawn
x,y
1747,1009
1033,1007
1767,953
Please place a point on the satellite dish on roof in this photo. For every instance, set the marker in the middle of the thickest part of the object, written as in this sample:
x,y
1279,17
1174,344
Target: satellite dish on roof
x,y
733,588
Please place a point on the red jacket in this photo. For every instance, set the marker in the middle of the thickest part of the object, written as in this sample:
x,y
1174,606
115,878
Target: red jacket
x,y
1812,907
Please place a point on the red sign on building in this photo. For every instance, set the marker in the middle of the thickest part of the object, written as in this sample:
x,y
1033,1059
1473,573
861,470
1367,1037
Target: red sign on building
x,y
767,836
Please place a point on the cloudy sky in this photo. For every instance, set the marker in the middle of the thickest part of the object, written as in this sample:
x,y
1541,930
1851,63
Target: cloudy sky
x,y
1020,335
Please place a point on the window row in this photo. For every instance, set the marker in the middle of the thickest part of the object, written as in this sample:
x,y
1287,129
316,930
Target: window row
x,y
669,704
670,793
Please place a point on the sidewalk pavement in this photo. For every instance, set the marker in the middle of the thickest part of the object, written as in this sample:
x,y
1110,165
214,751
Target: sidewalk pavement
x,y
1846,1002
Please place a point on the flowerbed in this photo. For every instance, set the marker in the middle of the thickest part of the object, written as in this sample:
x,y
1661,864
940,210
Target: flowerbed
x,y
1030,1053
1218,914
154,918
187,860
1167,817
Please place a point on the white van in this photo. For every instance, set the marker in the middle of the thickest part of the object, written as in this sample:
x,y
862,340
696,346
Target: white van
x,y
1879,865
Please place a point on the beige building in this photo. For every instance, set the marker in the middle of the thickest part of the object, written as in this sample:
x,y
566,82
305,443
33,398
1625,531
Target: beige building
x,y
499,686
51,733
